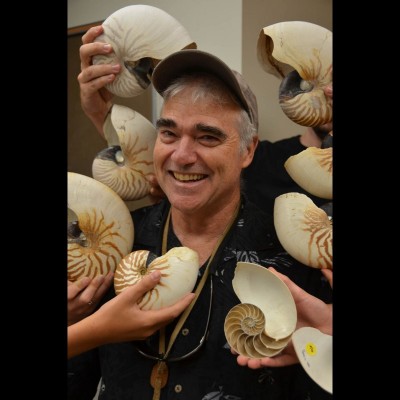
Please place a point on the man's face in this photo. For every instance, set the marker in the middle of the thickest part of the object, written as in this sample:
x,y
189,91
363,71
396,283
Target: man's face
x,y
197,159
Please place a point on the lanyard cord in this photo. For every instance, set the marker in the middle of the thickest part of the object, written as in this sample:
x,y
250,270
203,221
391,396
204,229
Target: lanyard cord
x,y
199,288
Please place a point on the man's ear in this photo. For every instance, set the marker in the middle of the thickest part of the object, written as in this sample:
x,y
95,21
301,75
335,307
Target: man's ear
x,y
248,158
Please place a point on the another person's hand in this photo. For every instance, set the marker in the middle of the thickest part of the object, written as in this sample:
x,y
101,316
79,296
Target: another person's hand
x,y
311,311
85,294
121,319
95,98
156,193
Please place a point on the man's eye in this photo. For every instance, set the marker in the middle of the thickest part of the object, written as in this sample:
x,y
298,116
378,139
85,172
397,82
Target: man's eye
x,y
209,140
166,135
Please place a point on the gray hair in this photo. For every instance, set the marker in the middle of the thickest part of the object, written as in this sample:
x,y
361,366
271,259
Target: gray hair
x,y
207,86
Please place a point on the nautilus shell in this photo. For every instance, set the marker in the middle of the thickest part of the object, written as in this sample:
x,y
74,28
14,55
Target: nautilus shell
x,y
262,325
314,351
179,269
304,230
140,36
125,165
299,53
100,228
311,169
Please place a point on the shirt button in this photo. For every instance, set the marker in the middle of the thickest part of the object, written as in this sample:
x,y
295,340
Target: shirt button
x,y
185,332
178,388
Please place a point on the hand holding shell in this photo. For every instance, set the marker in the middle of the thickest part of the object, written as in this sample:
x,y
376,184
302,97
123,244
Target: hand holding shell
x,y
179,269
140,36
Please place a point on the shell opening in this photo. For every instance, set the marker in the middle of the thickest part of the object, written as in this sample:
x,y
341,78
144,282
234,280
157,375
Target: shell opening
x,y
141,70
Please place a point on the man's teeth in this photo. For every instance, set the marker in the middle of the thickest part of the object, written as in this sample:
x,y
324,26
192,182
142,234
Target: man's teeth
x,y
188,177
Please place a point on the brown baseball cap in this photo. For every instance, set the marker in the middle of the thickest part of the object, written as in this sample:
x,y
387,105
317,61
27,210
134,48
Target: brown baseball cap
x,y
188,60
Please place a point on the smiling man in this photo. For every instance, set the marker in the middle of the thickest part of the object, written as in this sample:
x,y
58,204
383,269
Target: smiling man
x,y
206,135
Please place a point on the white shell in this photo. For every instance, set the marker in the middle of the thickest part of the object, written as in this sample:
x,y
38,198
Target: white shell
x,y
106,225
125,168
311,169
314,351
304,230
137,34
262,325
306,48
179,269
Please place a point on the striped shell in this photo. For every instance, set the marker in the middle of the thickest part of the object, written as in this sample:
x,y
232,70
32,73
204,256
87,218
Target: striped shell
x,y
262,325
312,170
125,165
100,231
179,269
304,230
140,36
299,53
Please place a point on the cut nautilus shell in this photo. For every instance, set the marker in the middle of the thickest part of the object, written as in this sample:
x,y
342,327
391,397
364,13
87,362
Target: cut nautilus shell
x,y
311,169
262,325
304,230
314,351
140,36
125,165
100,228
179,269
299,53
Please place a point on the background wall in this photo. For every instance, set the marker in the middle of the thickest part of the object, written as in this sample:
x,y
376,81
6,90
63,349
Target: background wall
x,y
227,28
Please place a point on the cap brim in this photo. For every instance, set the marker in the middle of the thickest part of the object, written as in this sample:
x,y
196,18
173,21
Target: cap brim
x,y
190,60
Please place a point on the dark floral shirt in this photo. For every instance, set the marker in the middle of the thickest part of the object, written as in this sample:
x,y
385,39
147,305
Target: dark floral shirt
x,y
200,364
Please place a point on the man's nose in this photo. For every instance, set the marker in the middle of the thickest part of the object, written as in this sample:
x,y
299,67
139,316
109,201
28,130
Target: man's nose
x,y
185,151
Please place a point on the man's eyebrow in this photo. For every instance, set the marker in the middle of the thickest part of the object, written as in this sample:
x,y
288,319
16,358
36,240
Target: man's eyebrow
x,y
211,129
165,123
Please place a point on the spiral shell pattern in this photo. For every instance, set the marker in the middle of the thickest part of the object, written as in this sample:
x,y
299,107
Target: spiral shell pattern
x,y
179,269
103,232
262,325
299,53
140,36
125,165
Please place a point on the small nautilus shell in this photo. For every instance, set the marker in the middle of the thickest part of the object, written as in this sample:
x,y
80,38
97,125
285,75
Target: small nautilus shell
x,y
126,163
299,53
140,36
263,324
304,230
100,228
311,169
179,269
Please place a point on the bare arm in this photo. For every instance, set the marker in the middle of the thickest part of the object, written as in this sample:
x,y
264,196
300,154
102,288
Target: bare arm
x,y
121,319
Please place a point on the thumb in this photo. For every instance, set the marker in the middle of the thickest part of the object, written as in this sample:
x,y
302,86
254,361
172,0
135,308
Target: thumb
x,y
136,292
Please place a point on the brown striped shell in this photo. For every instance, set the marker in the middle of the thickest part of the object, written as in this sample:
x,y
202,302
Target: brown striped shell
x,y
141,36
100,228
262,325
179,269
299,53
304,230
125,165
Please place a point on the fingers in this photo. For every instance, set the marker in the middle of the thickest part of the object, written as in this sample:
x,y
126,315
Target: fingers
x,y
92,34
136,292
74,288
328,273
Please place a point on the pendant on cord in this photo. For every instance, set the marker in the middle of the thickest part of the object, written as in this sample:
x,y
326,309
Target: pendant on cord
x,y
159,378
